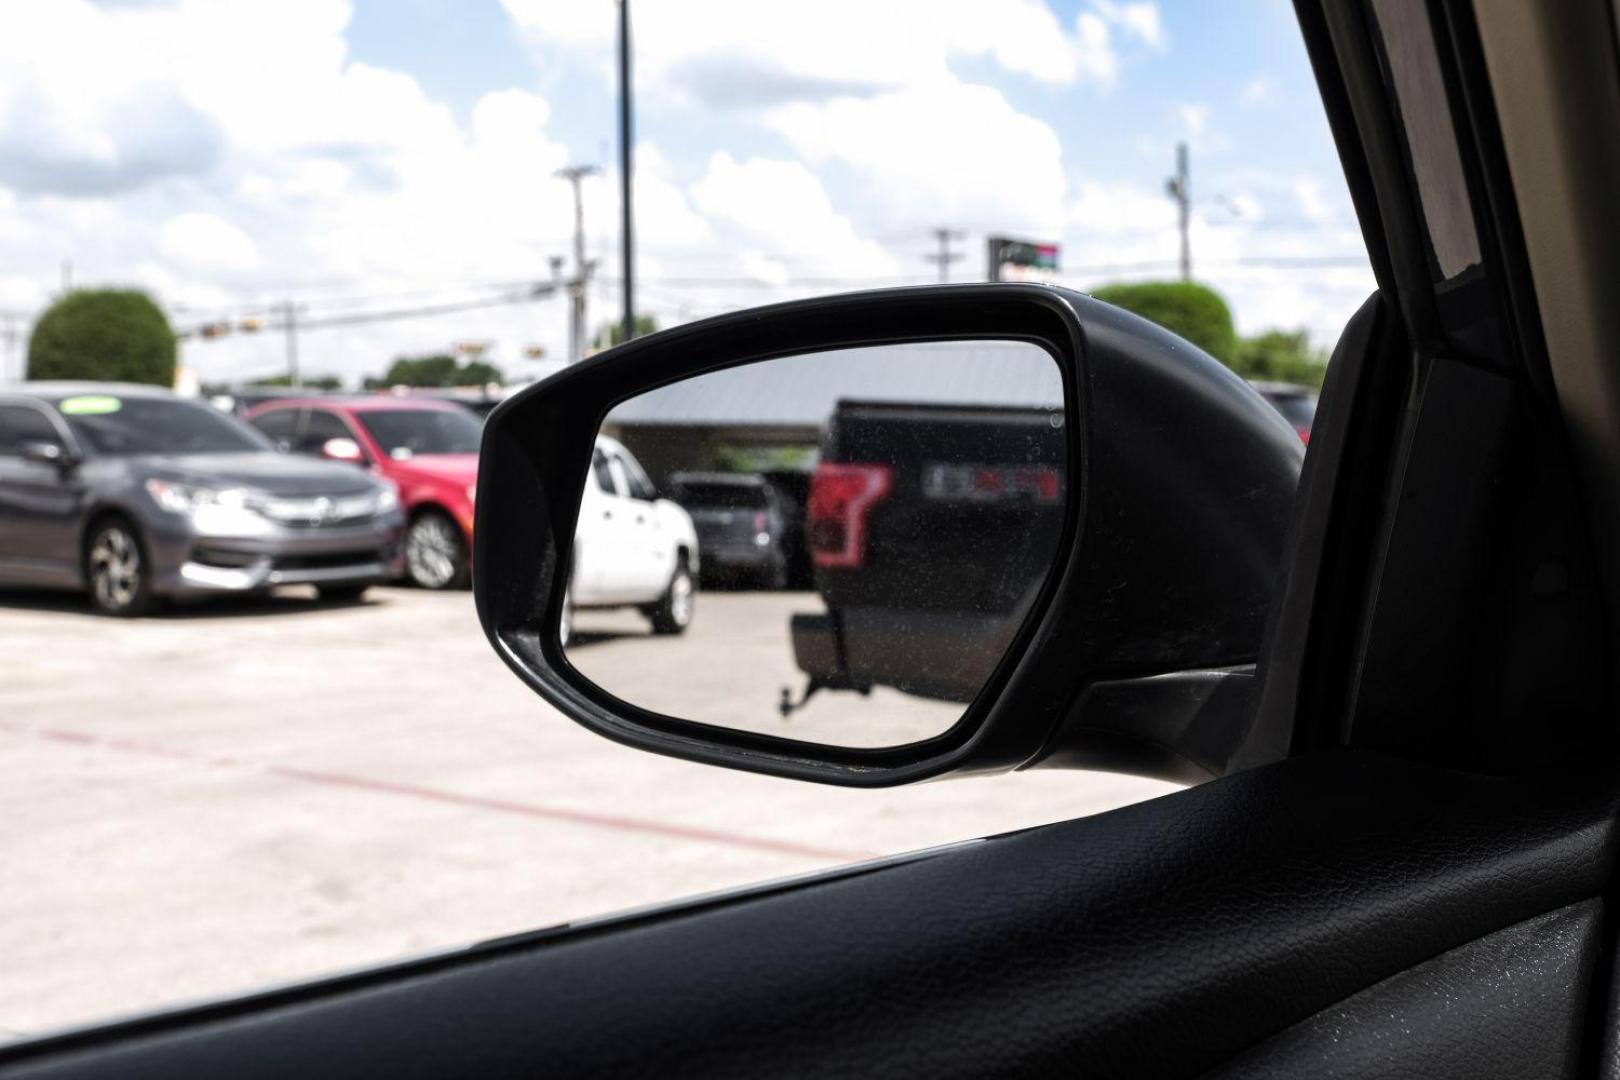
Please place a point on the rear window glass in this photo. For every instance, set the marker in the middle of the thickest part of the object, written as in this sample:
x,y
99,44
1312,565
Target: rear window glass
x,y
1297,409
745,496
404,433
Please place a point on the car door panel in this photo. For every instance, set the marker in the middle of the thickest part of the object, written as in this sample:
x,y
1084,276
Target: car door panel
x,y
41,505
1154,940
1512,1003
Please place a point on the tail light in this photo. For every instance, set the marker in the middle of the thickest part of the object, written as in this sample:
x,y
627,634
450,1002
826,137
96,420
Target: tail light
x,y
841,497
761,522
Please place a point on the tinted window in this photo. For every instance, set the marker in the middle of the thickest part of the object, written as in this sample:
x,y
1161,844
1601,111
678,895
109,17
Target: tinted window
x,y
730,496
404,433
278,425
113,425
603,474
318,429
640,486
23,423
1297,409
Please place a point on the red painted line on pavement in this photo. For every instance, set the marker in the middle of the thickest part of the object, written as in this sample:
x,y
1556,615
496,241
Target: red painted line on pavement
x,y
416,791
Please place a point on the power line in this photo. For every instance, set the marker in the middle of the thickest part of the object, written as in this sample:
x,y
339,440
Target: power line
x,y
537,291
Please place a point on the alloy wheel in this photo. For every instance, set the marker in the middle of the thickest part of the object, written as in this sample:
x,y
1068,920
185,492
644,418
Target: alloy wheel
x,y
115,568
433,552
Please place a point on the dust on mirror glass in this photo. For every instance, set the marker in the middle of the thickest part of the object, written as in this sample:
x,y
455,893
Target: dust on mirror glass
x,y
834,547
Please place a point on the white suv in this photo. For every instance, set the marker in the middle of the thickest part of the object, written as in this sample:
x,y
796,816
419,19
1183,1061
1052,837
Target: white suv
x,y
631,548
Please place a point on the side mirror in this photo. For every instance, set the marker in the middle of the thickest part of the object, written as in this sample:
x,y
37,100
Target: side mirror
x,y
341,449
46,453
1041,532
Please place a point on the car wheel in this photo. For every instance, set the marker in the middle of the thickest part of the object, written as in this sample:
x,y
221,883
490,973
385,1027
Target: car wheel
x,y
435,554
342,594
673,612
115,569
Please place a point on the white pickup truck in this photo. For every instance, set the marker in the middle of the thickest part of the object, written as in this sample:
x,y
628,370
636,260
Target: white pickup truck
x,y
631,548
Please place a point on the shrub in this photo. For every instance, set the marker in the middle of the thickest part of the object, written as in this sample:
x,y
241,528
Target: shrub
x,y
1283,356
1196,312
105,335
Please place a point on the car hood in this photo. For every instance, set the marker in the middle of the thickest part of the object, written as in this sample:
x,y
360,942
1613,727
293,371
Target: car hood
x,y
269,472
456,468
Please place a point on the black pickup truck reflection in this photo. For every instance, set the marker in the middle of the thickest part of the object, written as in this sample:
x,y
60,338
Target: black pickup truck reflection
x,y
931,529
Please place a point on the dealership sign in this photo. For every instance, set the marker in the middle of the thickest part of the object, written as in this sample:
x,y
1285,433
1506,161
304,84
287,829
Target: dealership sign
x,y
1022,260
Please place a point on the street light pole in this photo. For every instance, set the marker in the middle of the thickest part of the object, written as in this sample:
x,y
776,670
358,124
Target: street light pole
x,y
576,288
1179,188
627,173
289,322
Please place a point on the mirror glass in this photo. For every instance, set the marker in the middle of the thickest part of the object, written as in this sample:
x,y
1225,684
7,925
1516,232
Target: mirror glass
x,y
834,547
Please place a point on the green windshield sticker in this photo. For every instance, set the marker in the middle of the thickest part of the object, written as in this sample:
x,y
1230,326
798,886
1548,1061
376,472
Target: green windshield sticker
x,y
90,405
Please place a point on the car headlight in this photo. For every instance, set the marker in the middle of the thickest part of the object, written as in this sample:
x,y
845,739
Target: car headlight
x,y
189,498
387,498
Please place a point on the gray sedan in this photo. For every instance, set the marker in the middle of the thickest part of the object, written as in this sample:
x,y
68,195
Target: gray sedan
x,y
135,494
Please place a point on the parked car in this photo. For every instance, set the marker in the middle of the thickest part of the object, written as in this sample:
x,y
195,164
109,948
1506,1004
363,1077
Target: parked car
x,y
741,526
632,548
135,495
921,559
1296,403
792,497
428,447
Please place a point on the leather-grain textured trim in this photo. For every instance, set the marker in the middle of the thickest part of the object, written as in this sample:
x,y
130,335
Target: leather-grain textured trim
x,y
1509,1004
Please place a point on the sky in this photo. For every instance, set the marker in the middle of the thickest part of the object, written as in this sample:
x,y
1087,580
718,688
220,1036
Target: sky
x,y
384,155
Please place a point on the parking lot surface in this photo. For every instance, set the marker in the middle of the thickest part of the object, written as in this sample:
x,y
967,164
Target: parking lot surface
x,y
257,791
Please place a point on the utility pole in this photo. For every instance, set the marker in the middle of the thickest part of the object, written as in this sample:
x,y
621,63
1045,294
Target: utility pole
x,y
11,335
945,256
67,276
576,287
1179,188
289,323
627,173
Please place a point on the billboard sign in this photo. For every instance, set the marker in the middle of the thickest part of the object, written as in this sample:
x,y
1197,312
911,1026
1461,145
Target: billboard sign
x,y
1022,260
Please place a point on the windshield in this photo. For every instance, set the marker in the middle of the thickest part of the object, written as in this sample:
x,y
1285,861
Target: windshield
x,y
404,433
112,425
729,496
1297,409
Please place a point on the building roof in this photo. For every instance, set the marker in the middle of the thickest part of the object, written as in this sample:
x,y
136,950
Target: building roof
x,y
801,391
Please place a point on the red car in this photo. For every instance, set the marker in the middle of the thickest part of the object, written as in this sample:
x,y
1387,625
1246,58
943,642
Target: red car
x,y
428,448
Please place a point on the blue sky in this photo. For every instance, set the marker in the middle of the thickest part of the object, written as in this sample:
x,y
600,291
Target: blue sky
x,y
329,152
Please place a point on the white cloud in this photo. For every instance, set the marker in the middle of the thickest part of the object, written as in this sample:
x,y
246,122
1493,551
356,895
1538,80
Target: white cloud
x,y
204,242
781,207
1194,118
1256,90
833,48
1138,20
936,152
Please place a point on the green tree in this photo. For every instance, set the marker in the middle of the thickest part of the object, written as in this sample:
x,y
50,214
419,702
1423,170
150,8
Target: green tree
x,y
1196,312
610,334
478,373
439,370
316,382
1281,356
106,335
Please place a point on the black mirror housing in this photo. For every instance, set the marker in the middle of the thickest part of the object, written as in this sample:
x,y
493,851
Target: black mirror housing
x,y
46,453
1170,552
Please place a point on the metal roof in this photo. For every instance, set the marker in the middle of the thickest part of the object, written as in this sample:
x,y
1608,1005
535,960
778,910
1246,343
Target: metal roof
x,y
801,391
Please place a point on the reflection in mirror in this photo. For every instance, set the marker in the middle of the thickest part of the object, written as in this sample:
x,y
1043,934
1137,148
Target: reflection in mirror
x,y
835,547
